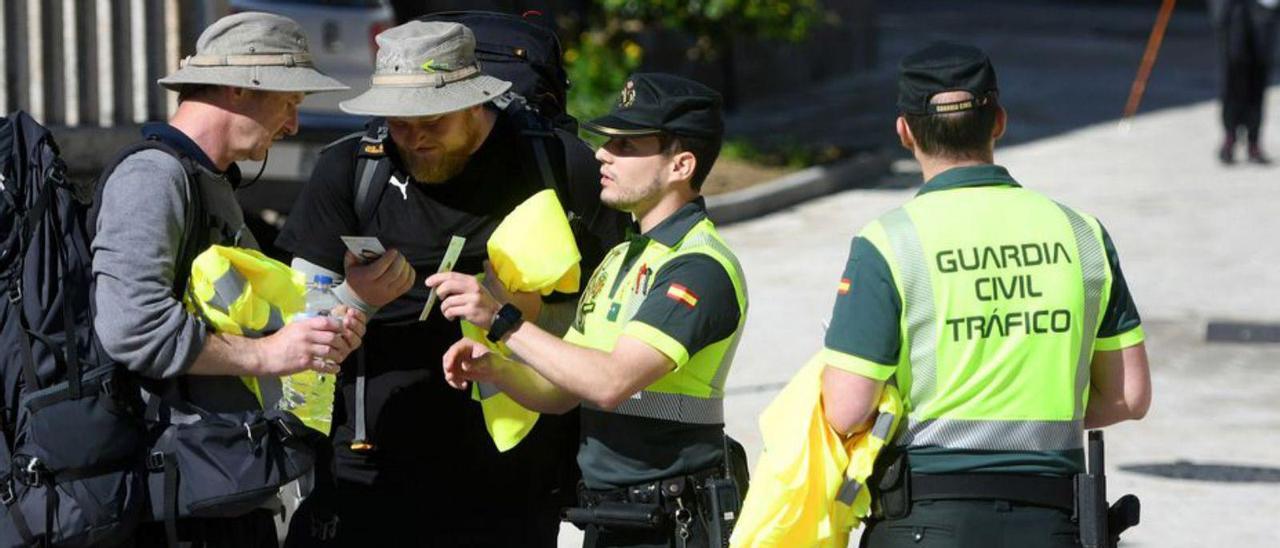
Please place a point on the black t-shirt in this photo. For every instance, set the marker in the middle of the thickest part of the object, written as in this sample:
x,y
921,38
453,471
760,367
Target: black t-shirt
x,y
430,437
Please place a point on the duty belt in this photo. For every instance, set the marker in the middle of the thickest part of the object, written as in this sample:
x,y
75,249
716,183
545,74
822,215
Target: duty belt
x,y
669,504
1053,492
654,492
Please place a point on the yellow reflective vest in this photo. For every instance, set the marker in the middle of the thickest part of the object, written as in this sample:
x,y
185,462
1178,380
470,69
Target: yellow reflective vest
x,y
809,485
240,291
531,250
243,292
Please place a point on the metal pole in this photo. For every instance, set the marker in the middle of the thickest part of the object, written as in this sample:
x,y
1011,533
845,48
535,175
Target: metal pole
x,y
1148,59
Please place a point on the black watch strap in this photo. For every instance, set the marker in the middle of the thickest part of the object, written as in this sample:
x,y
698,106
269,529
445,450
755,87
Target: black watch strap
x,y
507,318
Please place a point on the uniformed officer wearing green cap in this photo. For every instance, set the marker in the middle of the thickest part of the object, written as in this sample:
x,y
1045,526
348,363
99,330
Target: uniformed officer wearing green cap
x,y
1001,315
655,332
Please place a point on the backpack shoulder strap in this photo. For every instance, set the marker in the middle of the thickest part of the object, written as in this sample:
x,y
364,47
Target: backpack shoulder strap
x,y
194,240
537,133
373,170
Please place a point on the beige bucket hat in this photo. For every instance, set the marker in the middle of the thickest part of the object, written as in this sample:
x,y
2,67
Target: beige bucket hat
x,y
424,69
252,50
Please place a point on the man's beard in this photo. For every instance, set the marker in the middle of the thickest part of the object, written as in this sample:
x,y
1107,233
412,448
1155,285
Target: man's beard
x,y
441,169
450,162
630,199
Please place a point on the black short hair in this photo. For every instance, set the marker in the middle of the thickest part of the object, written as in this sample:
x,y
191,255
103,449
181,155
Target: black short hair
x,y
957,135
705,150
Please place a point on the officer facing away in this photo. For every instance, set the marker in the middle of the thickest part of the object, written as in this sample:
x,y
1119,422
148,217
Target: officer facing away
x,y
657,324
1002,316
236,96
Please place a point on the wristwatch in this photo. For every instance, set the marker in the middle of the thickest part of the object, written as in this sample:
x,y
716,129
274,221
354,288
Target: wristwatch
x,y
507,318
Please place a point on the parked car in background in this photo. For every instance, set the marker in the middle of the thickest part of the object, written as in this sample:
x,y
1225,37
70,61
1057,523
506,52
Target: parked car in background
x,y
341,36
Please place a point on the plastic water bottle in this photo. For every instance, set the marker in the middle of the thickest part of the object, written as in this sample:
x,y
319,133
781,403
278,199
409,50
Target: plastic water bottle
x,y
309,394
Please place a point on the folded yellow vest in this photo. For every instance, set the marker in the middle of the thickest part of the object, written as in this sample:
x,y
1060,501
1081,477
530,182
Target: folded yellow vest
x,y
240,291
532,250
809,485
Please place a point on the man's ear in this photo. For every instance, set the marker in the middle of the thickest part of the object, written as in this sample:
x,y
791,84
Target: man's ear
x,y
905,138
1002,120
683,164
235,95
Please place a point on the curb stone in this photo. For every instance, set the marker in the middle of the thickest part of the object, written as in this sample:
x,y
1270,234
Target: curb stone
x,y
858,172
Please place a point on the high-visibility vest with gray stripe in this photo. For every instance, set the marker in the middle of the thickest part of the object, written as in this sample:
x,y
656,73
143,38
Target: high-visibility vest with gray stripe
x,y
243,292
1003,291
694,392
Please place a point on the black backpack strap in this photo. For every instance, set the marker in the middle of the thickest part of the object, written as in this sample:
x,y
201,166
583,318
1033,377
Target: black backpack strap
x,y
54,176
71,347
194,240
373,171
372,174
360,442
539,134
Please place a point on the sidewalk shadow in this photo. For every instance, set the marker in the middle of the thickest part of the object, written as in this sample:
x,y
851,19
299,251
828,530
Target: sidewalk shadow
x,y
1223,473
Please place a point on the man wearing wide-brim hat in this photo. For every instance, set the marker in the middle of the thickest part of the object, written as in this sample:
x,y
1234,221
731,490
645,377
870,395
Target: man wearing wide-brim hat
x,y
413,458
238,94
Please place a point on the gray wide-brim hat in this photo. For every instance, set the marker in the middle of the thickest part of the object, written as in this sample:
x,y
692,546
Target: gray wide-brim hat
x,y
252,50
425,69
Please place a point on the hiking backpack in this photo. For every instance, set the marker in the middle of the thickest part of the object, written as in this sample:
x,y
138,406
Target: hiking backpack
x,y
82,463
70,418
522,50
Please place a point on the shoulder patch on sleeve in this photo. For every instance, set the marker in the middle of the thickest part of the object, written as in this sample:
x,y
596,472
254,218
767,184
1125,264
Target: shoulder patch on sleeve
x,y
682,295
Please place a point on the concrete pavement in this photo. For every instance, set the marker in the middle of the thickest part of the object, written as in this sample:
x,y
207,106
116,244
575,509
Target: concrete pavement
x,y
1197,242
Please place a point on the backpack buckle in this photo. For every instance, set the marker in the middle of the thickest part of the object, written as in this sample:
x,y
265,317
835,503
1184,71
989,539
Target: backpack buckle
x,y
7,495
28,470
155,461
256,432
286,433
15,293
56,174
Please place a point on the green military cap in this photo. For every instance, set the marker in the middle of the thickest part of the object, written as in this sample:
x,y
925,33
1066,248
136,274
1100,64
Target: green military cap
x,y
942,67
652,103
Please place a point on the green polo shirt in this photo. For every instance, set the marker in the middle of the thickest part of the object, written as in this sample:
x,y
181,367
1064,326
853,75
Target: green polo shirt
x,y
864,335
681,307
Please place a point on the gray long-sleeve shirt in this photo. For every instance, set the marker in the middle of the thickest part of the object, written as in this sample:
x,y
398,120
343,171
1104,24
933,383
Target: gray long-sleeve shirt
x,y
140,228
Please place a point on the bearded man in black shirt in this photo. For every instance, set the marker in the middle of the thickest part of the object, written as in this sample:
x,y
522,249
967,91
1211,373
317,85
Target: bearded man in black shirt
x,y
412,460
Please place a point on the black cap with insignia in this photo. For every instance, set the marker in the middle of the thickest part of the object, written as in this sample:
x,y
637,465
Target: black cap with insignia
x,y
942,67
652,103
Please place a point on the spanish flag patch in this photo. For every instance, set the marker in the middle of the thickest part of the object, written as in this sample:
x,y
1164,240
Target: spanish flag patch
x,y
843,288
682,295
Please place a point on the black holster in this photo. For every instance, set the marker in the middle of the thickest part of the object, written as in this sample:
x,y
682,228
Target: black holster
x,y
890,485
1101,525
623,515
